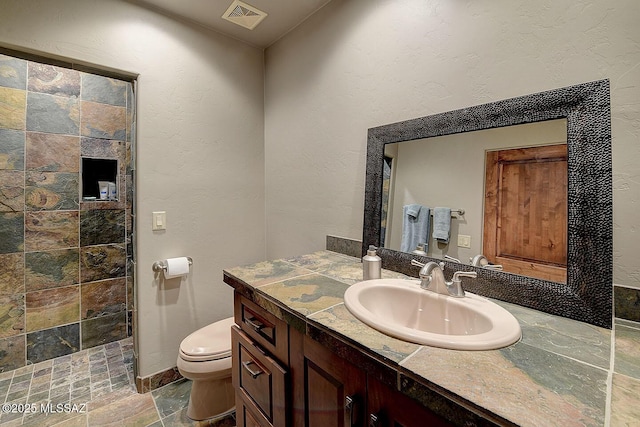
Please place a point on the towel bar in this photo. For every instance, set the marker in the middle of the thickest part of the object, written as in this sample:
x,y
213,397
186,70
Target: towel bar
x,y
456,211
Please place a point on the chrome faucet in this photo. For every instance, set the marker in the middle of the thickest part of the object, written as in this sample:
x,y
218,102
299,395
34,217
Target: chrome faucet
x,y
432,279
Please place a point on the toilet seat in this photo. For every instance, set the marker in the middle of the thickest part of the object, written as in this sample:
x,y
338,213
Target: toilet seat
x,y
212,342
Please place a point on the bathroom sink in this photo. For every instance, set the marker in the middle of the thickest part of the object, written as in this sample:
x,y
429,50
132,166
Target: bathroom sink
x,y
401,309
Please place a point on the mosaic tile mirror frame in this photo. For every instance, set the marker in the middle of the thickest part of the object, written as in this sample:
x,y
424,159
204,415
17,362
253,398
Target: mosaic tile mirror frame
x,y
587,295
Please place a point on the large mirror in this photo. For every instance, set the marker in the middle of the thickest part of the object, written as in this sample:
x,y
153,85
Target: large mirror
x,y
578,116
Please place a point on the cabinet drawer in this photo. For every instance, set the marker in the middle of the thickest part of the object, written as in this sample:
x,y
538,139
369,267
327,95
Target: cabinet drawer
x,y
259,380
263,327
246,416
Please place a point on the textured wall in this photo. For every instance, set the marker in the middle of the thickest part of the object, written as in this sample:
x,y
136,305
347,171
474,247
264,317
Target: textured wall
x,y
199,153
360,64
63,261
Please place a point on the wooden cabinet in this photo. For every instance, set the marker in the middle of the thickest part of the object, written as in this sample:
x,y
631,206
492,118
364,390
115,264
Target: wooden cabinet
x,y
340,394
285,379
269,332
260,382
260,359
390,408
335,390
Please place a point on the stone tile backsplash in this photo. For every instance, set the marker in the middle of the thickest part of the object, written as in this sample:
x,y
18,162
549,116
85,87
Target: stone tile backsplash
x,y
64,282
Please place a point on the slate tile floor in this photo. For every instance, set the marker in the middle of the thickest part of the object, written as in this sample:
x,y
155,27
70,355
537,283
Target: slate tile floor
x,y
93,387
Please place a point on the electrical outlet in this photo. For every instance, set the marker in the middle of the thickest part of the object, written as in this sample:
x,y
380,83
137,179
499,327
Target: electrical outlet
x,y
464,241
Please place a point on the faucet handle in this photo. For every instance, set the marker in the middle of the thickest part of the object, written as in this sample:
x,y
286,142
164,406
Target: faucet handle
x,y
417,263
458,274
456,289
450,258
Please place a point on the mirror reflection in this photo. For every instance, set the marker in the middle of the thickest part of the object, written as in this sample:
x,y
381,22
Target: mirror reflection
x,y
504,194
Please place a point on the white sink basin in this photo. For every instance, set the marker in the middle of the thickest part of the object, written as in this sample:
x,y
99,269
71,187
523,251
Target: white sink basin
x,y
401,309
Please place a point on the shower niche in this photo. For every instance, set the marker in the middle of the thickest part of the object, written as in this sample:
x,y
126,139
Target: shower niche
x,y
99,179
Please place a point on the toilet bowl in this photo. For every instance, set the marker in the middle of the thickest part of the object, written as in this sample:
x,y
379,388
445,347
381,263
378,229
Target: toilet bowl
x,y
205,359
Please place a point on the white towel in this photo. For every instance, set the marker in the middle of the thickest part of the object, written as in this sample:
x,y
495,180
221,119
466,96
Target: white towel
x,y
415,227
441,224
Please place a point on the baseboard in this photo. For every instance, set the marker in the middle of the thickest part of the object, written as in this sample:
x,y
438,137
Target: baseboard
x,y
152,382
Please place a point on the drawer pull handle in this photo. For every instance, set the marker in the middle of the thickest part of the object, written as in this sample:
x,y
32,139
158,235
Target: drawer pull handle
x,y
373,420
254,374
350,403
254,323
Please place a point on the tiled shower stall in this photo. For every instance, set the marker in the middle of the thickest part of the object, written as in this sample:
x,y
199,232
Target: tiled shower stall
x,y
66,277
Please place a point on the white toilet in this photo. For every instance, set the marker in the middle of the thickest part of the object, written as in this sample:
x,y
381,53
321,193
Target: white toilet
x,y
205,359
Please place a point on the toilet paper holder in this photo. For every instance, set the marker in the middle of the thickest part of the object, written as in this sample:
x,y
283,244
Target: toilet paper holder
x,y
159,266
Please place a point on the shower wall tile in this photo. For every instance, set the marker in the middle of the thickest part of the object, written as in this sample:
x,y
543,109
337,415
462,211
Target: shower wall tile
x,y
53,80
131,113
130,329
51,230
50,288
104,90
13,72
11,191
52,307
52,343
105,329
12,274
103,298
11,232
102,262
129,224
130,294
11,315
13,103
130,266
12,353
102,148
99,227
128,159
51,269
12,149
52,114
50,152
52,190
103,121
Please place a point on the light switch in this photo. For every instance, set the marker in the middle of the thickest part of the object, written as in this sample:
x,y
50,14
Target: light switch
x,y
464,241
159,221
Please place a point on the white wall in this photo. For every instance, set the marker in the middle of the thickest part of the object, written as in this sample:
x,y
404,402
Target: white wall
x,y
363,63
200,151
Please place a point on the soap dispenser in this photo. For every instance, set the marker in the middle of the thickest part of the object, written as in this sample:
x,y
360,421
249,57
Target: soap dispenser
x,y
420,250
371,264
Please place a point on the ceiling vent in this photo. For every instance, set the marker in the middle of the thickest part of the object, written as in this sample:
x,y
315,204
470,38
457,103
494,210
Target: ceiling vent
x,y
244,15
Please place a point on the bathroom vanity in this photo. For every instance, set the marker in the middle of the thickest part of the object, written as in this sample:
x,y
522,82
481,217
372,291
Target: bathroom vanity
x,y
283,378
300,358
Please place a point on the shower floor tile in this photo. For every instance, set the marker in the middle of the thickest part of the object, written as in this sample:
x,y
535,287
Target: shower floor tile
x,y
93,387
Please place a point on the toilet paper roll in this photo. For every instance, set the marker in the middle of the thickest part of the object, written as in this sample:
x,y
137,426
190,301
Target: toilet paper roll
x,y
176,267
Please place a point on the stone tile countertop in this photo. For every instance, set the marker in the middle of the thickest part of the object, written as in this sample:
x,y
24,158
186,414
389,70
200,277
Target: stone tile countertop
x,y
561,373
